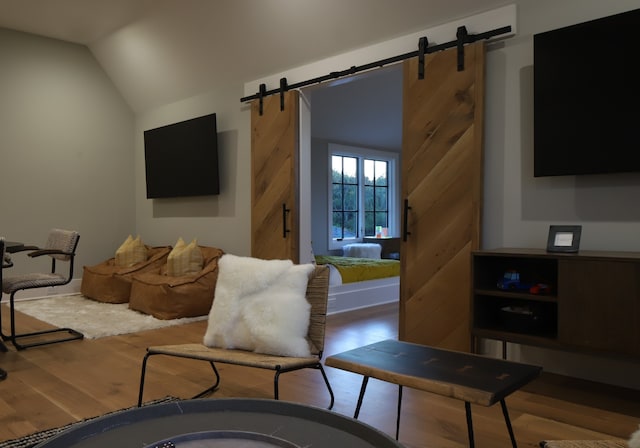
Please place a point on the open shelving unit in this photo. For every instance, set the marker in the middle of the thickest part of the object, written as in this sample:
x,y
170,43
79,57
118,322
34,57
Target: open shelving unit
x,y
593,302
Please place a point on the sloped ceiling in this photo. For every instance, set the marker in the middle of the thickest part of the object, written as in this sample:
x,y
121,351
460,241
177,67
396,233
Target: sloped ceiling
x,y
160,51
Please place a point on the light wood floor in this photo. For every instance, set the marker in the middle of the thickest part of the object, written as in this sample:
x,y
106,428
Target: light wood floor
x,y
58,384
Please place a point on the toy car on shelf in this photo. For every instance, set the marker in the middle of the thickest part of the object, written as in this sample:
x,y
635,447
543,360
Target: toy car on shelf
x,y
540,288
511,280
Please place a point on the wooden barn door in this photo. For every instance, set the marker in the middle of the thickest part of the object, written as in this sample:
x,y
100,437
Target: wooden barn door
x,y
274,178
441,183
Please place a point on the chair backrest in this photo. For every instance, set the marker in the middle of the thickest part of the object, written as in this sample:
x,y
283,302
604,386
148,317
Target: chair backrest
x,y
318,295
62,240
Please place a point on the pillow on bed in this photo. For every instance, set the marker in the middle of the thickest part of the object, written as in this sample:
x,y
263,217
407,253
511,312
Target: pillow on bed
x,y
260,305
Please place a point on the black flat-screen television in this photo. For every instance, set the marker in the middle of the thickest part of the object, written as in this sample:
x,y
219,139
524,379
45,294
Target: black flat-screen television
x,y
586,97
181,159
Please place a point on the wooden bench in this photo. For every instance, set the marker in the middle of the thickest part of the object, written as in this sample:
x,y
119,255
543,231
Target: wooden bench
x,y
471,378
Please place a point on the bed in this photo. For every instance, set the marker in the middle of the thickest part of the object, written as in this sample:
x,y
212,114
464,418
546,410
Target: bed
x,y
360,282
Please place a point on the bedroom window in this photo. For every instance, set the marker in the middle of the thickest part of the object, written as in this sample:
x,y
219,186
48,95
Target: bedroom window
x,y
345,189
362,191
376,203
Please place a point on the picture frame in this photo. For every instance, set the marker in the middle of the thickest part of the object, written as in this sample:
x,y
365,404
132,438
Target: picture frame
x,y
564,239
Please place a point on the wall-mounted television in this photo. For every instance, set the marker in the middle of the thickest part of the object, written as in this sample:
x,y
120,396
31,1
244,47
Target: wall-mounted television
x,y
586,97
181,159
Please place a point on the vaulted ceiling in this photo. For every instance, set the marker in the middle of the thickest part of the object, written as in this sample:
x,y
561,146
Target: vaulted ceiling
x,y
160,51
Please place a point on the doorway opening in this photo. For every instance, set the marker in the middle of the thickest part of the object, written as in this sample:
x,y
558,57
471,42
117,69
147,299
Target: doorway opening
x,y
363,111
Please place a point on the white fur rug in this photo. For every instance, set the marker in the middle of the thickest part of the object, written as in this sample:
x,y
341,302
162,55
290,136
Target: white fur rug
x,y
94,319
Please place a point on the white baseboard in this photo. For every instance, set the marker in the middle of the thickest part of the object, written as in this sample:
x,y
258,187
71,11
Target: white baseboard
x,y
353,296
73,287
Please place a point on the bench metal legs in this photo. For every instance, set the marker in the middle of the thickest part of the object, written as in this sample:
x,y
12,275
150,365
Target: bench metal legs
x,y
363,388
467,408
507,420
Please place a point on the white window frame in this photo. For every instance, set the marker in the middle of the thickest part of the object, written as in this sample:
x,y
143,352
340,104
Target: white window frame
x,y
393,159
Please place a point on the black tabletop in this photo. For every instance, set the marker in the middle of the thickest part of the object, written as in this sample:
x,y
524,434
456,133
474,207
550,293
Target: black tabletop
x,y
473,378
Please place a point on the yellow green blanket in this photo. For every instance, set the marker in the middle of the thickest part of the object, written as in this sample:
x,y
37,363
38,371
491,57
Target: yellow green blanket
x,y
360,269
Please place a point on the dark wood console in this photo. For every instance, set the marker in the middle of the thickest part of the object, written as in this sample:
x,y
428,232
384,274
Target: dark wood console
x,y
592,305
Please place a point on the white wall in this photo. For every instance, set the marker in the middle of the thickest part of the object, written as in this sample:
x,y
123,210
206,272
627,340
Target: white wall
x,y
66,142
222,221
519,208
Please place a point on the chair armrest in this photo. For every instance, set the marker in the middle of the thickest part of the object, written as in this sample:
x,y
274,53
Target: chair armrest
x,y
23,248
40,252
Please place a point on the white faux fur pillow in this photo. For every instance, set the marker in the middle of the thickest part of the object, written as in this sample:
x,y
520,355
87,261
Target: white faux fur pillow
x,y
260,305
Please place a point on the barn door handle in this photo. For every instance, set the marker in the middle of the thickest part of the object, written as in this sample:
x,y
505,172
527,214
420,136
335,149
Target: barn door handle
x,y
285,210
405,223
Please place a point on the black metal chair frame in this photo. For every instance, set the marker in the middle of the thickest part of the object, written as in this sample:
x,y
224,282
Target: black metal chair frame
x,y
278,371
5,264
14,337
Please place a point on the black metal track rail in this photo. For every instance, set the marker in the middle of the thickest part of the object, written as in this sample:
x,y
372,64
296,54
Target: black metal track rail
x,y
423,48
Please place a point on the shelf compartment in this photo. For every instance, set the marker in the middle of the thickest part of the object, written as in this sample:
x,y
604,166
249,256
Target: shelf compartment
x,y
517,295
514,315
547,341
489,270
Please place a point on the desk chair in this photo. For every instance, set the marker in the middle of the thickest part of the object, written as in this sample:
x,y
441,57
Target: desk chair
x,y
317,296
60,247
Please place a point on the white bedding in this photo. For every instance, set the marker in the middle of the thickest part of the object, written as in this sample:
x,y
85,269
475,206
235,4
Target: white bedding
x,y
350,296
335,278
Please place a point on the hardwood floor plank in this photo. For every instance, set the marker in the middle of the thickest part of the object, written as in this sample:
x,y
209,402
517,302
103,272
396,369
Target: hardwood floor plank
x,y
58,384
